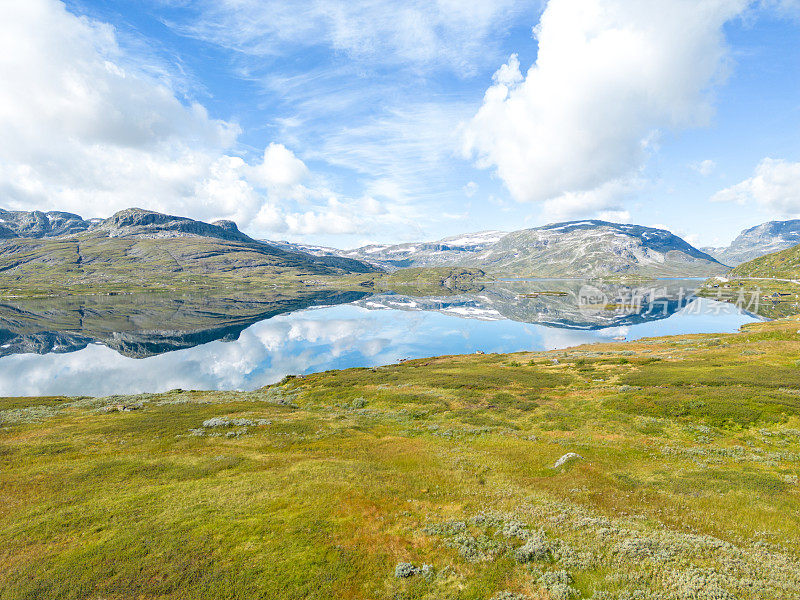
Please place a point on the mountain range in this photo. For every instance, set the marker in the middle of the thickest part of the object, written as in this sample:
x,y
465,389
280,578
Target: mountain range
x,y
574,249
56,246
784,264
142,247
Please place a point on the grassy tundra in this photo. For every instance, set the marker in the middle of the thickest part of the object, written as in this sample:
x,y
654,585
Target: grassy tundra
x,y
433,479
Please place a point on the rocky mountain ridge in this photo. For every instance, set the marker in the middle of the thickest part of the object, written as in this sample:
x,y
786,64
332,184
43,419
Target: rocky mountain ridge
x,y
573,249
758,241
137,245
587,248
38,224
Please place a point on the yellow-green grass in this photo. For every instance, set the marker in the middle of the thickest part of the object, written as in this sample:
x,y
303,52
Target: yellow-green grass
x,y
687,485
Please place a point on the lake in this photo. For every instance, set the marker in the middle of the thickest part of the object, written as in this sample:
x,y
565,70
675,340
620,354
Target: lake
x,y
121,345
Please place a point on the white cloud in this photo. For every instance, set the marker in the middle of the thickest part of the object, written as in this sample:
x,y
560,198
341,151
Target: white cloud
x,y
404,145
704,167
84,130
782,7
609,74
454,34
509,74
352,85
600,203
692,238
775,186
470,189
280,168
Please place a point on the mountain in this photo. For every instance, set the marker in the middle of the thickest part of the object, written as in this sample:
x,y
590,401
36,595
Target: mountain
x,y
137,246
596,248
307,248
451,251
43,248
758,241
573,249
148,224
39,224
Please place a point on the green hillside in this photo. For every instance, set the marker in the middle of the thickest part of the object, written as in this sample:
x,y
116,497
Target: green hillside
x,y
784,265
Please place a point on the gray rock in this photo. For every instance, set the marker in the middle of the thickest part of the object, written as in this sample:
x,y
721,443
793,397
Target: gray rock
x,y
568,457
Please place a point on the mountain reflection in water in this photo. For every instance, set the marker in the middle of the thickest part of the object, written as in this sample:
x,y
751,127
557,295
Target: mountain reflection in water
x,y
130,344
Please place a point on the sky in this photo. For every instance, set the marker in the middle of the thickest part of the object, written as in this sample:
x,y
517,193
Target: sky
x,y
347,122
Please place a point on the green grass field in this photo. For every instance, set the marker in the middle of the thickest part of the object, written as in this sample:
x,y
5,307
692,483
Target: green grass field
x,y
321,487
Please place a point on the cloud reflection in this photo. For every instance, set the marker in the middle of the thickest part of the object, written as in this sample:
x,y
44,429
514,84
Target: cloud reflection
x,y
319,339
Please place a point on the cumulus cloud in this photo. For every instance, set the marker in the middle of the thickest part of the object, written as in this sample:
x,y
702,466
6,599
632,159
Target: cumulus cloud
x,y
81,131
775,185
609,74
85,130
602,202
280,168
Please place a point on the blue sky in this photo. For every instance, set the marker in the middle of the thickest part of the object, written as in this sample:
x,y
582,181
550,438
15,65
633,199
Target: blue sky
x,y
343,123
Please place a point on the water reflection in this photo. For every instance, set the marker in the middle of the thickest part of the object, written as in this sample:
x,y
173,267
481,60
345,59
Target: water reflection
x,y
568,304
139,326
128,345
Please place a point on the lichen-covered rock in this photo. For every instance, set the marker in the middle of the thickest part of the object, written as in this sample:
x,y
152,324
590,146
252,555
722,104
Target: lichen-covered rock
x,y
568,457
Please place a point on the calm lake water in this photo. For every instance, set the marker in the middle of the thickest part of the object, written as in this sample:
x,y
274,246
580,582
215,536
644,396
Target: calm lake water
x,y
130,345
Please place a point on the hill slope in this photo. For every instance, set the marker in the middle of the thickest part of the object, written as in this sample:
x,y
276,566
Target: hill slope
x,y
156,247
778,265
